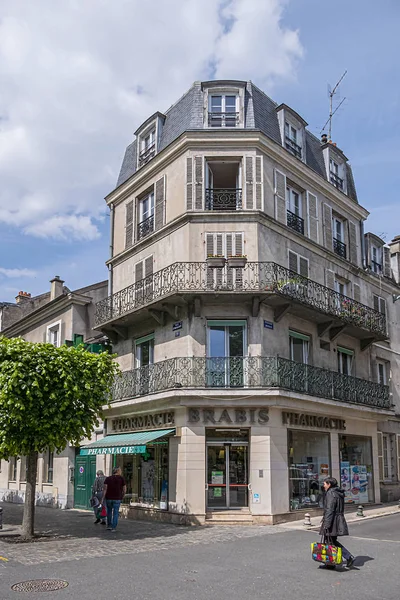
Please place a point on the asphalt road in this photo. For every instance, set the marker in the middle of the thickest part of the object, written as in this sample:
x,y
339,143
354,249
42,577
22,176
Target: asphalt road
x,y
221,563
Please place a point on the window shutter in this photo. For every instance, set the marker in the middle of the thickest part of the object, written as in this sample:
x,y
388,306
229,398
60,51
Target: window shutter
x,y
387,270
148,266
398,456
249,182
293,260
198,171
330,279
239,244
353,243
189,183
380,454
312,212
138,271
129,224
303,266
229,245
259,183
159,208
376,303
356,292
209,244
280,197
219,244
382,306
327,221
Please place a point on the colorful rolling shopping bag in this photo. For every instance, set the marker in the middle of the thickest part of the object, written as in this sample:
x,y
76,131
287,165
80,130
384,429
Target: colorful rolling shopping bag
x,y
326,553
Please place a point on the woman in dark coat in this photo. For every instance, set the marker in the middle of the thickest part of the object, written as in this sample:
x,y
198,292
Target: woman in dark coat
x,y
333,522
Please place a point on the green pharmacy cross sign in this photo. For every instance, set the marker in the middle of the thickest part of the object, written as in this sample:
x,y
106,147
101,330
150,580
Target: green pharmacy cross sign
x,y
113,450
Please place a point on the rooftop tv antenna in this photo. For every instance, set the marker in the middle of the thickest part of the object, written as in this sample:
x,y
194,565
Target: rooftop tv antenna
x,y
331,111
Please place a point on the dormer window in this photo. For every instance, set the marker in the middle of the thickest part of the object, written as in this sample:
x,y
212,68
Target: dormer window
x,y
334,174
223,110
376,259
293,133
292,139
147,145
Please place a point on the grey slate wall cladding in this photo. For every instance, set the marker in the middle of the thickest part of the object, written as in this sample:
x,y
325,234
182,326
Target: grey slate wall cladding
x,y
259,113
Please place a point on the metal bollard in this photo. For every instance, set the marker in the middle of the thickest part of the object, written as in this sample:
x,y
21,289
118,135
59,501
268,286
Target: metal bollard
x,y
1,518
307,520
360,511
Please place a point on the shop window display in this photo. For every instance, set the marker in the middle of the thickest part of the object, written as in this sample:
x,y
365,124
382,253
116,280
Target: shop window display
x,y
356,470
146,476
309,464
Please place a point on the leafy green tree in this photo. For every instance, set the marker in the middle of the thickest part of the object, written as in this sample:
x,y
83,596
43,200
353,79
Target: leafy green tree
x,y
49,397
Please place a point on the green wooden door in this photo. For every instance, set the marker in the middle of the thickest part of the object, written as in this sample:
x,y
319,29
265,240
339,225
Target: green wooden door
x,y
85,473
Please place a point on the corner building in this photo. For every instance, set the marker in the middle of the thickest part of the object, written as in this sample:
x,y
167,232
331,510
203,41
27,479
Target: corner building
x,y
252,316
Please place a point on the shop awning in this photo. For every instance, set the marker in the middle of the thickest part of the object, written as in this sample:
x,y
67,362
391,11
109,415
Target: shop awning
x,y
124,443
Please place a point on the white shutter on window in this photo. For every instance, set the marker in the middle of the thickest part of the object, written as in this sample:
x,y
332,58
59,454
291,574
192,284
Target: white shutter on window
x,y
280,196
382,306
259,183
327,223
159,208
189,183
249,182
303,266
356,292
138,271
210,244
239,244
129,224
198,173
353,254
148,266
312,213
330,279
293,261
380,455
387,270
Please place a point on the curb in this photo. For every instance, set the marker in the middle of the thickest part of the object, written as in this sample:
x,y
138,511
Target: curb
x,y
302,527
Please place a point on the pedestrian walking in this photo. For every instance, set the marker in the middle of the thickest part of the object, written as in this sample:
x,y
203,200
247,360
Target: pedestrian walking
x,y
333,523
113,492
97,492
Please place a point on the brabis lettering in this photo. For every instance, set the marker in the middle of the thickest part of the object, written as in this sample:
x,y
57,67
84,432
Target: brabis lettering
x,y
227,416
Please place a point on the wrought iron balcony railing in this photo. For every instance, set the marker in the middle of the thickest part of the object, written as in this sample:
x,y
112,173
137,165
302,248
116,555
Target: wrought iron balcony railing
x,y
145,227
224,199
336,181
256,277
146,154
339,248
249,372
295,222
223,119
292,147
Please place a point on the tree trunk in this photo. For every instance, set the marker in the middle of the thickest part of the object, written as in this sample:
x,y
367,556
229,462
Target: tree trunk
x,y
30,494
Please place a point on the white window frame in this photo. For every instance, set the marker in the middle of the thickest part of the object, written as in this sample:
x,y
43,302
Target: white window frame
x,y
51,329
138,350
378,260
381,302
305,347
337,221
224,91
388,455
341,284
151,130
341,354
148,197
299,256
229,323
13,468
382,371
289,130
290,204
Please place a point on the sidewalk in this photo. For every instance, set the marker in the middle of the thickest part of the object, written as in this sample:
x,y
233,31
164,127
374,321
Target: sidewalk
x,y
374,512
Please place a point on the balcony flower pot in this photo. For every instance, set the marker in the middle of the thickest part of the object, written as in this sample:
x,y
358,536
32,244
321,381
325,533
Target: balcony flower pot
x,y
216,262
237,262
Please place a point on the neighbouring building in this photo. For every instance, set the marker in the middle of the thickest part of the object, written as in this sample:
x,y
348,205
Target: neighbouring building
x,y
255,322
60,316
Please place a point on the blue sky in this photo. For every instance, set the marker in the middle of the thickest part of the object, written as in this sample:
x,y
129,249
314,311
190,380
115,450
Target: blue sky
x,y
76,84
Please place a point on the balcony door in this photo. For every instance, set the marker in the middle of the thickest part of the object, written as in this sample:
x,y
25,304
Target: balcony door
x,y
226,347
144,356
223,185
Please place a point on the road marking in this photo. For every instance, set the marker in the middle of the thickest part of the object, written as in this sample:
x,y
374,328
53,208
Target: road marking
x,y
355,537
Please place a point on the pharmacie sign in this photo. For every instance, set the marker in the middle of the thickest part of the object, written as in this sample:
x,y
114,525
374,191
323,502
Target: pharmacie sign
x,y
159,420
113,450
306,420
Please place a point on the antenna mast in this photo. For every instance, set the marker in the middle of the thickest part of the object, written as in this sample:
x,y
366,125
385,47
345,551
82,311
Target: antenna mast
x,y
331,111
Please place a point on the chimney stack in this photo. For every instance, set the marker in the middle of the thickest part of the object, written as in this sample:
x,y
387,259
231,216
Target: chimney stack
x,y
56,287
324,138
22,297
395,257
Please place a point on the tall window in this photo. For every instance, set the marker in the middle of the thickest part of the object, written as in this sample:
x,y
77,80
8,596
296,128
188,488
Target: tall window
x,y
335,178
226,347
146,216
338,230
380,304
298,264
223,110
341,287
376,259
147,147
49,466
388,442
144,351
382,372
345,361
54,334
291,132
13,468
293,201
299,347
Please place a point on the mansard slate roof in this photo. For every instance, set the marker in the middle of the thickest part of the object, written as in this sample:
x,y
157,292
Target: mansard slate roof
x,y
260,114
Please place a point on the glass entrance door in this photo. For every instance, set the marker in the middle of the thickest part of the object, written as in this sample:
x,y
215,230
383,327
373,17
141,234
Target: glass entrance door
x,y
227,475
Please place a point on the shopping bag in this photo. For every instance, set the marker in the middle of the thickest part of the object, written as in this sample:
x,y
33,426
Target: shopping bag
x,y
94,501
326,553
103,511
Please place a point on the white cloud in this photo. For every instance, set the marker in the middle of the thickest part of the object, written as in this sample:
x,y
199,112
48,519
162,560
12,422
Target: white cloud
x,y
17,273
77,78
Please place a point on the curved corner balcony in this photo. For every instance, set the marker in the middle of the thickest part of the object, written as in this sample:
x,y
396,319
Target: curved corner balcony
x,y
254,372
189,283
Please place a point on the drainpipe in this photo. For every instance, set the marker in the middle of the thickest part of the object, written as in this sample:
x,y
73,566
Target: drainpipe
x,y
110,267
364,258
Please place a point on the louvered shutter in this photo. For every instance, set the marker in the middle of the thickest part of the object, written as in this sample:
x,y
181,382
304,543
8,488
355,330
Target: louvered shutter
x,y
148,274
198,172
230,251
312,212
387,270
259,183
353,243
293,261
356,292
303,266
239,250
159,209
138,271
327,223
210,244
139,286
380,455
219,244
398,456
249,182
330,279
189,183
280,196
376,303
238,244
382,306
129,224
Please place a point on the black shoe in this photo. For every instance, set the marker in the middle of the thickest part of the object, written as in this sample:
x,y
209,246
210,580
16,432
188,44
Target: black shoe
x,y
103,522
327,566
97,521
350,561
